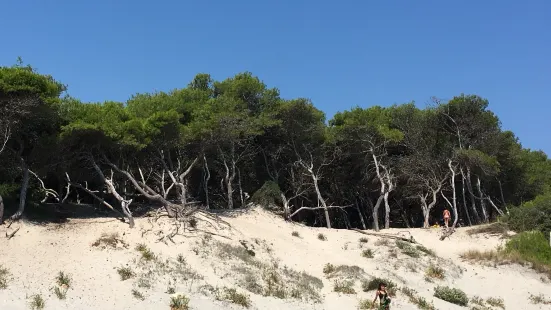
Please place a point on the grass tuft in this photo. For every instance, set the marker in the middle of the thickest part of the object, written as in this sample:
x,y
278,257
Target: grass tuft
x,y
111,240
179,302
367,253
364,240
4,274
125,273
138,295
435,272
37,302
147,254
414,298
295,234
322,237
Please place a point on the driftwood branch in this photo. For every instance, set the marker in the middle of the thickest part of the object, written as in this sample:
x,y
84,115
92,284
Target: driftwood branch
x,y
410,239
318,208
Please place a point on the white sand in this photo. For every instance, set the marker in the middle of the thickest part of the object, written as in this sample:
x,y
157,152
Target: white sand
x,y
38,252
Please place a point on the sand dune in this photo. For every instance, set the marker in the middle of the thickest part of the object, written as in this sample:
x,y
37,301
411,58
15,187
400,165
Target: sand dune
x,y
288,268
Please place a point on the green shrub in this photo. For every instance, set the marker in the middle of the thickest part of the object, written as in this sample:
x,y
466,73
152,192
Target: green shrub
x,y
268,196
532,215
531,246
451,295
367,253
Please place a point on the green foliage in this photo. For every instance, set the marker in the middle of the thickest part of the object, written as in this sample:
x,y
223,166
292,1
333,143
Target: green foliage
x,y
451,295
531,246
179,302
268,195
532,215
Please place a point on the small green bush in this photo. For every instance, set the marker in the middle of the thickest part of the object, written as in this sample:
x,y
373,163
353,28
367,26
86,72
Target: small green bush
x,y
451,295
179,302
37,302
532,215
367,253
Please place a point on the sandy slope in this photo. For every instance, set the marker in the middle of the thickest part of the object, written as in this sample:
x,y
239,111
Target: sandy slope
x,y
37,253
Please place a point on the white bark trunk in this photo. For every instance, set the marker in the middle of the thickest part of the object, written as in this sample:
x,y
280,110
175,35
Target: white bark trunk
x,y
465,199
482,204
473,200
376,213
361,217
454,198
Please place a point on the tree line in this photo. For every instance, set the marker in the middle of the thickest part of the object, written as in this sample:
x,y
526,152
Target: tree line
x,y
225,144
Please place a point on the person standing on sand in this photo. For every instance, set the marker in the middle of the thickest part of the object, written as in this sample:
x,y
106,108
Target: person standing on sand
x,y
446,217
384,303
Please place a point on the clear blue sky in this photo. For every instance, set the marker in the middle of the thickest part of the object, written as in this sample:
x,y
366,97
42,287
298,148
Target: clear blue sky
x,y
338,53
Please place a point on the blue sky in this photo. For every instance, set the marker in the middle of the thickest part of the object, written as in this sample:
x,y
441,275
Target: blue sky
x,y
340,54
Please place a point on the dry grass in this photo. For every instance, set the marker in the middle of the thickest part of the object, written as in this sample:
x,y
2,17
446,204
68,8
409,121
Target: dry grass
x,y
295,234
419,301
138,295
495,229
435,272
363,240
146,253
408,249
37,302
496,302
111,240
125,273
344,287
233,296
365,304
322,237
4,275
499,257
382,242
539,299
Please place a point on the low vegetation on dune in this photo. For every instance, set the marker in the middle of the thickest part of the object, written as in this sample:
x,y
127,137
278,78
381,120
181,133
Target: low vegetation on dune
x,y
527,248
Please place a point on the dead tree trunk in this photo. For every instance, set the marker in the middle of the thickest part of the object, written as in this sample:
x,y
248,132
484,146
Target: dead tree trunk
x,y
229,177
23,192
473,200
454,198
386,187
206,181
482,204
376,213
428,207
465,199
361,217
125,204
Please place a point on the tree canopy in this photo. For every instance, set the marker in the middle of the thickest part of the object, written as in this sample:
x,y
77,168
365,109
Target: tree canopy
x,y
223,144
